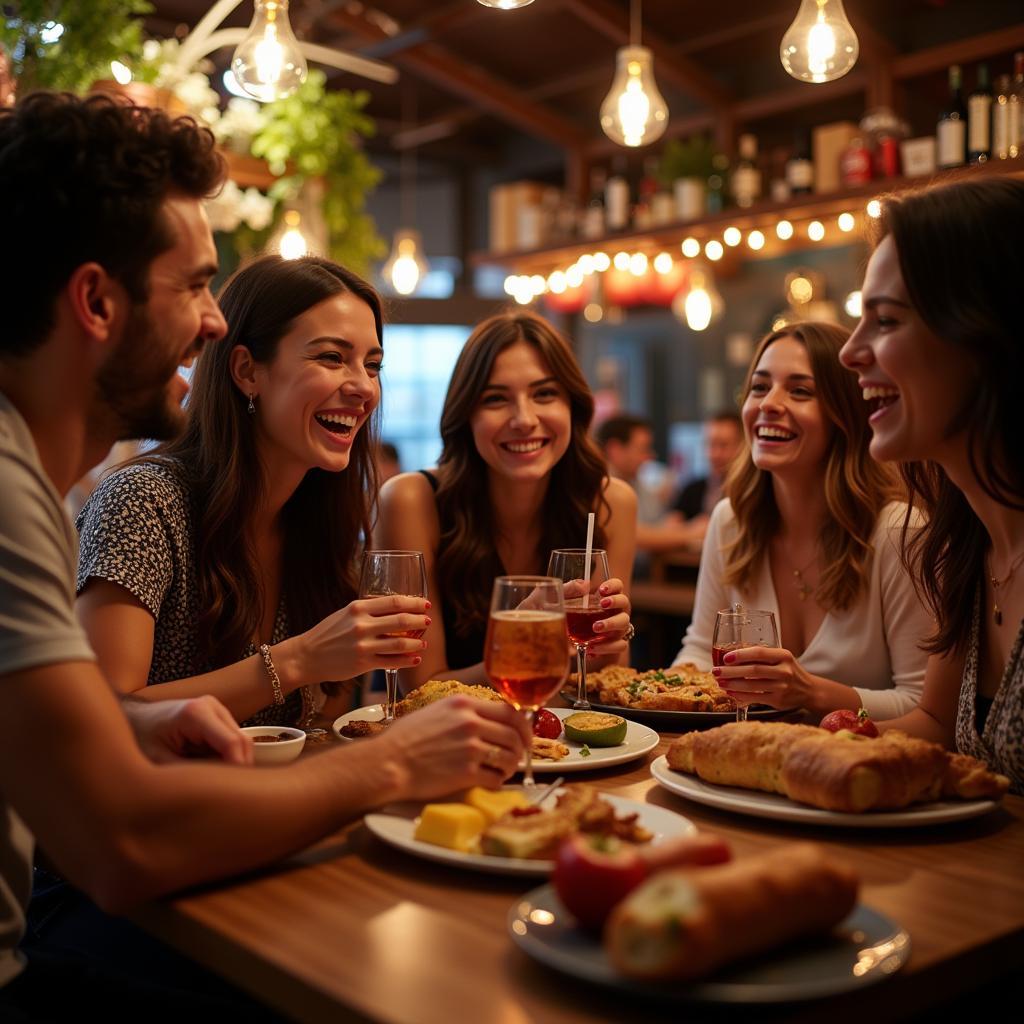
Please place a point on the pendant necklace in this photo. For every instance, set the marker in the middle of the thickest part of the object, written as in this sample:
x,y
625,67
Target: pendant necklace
x,y
803,588
997,612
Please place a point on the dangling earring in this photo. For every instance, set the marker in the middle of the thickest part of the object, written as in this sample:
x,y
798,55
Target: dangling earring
x,y
252,404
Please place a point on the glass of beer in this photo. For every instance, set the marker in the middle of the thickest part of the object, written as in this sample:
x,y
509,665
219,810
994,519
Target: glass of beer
x,y
582,604
524,653
394,572
738,627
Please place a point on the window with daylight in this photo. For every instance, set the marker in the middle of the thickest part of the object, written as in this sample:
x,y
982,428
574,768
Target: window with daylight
x,y
418,363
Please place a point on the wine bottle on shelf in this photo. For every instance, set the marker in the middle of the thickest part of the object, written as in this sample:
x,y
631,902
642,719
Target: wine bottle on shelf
x,y
952,127
643,215
746,178
616,198
594,215
1017,102
1001,110
717,197
799,168
979,119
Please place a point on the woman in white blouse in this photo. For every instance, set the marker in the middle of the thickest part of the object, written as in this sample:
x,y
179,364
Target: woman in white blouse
x,y
810,530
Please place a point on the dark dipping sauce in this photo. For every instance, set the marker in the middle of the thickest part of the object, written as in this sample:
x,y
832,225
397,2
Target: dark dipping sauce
x,y
279,738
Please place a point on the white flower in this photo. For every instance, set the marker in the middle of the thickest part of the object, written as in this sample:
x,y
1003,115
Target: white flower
x,y
239,123
223,208
194,91
256,209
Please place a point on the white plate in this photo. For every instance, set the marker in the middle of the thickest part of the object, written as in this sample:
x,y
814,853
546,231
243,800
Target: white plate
x,y
774,805
396,825
864,949
639,740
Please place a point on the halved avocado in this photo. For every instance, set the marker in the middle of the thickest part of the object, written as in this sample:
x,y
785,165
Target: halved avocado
x,y
595,728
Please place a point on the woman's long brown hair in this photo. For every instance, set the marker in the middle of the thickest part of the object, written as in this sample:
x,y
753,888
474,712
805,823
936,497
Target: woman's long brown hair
x,y
960,254
322,522
467,560
856,487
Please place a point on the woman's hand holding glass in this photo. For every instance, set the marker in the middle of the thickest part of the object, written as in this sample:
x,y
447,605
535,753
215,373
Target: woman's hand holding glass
x,y
371,633
741,629
766,675
610,631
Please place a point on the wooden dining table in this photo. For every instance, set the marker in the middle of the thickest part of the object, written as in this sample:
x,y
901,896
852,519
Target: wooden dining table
x,y
352,929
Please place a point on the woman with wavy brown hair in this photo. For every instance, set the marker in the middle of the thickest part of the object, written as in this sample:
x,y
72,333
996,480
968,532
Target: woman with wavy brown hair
x,y
517,477
810,531
939,356
224,562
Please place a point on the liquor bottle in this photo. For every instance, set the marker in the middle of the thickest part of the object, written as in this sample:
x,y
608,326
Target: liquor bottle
x,y
717,198
746,178
1001,110
778,188
1017,101
616,198
643,214
594,216
952,126
799,168
979,119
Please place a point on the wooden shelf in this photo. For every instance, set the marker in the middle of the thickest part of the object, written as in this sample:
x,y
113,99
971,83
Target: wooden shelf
x,y
762,216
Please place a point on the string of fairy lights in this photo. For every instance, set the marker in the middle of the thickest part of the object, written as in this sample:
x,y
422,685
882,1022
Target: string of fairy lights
x,y
700,250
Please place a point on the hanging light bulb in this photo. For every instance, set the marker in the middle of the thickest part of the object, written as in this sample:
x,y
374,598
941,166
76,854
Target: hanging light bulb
x,y
406,267
820,45
699,303
293,243
634,112
505,5
268,63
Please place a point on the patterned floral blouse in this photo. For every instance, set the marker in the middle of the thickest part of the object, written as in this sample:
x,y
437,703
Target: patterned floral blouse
x,y
1001,741
136,530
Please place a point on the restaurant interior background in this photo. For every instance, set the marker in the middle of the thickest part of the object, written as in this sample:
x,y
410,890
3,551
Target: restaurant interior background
x,y
487,135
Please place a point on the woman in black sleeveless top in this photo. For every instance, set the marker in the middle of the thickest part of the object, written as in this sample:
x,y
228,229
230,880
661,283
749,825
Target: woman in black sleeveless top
x,y
517,477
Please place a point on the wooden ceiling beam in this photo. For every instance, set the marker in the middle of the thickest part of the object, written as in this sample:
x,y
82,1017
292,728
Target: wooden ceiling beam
x,y
674,67
960,51
433,63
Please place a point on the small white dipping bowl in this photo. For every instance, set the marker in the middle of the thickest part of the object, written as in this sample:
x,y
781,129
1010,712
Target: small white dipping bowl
x,y
280,752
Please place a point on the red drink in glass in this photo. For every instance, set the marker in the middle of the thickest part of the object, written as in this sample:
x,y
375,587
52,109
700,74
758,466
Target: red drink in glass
x,y
719,651
579,621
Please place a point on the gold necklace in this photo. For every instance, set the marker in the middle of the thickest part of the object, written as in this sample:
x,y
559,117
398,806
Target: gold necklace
x,y
803,588
997,612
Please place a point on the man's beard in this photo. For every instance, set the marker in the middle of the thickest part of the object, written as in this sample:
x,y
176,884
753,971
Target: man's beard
x,y
131,386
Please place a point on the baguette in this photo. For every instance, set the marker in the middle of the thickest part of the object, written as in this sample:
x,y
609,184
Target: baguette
x,y
834,771
684,924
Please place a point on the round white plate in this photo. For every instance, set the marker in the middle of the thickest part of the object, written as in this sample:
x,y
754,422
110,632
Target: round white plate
x,y
865,948
639,740
396,825
774,805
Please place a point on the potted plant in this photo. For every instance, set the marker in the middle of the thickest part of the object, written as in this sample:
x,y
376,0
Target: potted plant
x,y
684,167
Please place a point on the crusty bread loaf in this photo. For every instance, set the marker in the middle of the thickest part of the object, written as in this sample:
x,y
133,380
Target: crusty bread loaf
x,y
835,771
683,924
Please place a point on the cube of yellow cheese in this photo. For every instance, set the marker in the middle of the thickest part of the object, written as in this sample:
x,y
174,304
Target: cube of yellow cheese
x,y
494,804
455,826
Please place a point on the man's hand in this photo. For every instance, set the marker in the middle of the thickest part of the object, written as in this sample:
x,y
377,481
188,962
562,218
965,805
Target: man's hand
x,y
172,729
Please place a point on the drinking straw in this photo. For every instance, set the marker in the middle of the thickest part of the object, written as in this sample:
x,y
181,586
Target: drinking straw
x,y
586,562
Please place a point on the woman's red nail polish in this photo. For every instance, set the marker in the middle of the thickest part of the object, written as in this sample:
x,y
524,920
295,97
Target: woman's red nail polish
x,y
416,661
428,620
729,659
716,671
428,606
606,602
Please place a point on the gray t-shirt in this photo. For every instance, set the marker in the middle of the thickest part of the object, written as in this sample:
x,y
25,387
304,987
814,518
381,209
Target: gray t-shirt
x,y
38,549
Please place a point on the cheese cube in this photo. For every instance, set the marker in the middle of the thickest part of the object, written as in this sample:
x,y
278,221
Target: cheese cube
x,y
455,826
494,804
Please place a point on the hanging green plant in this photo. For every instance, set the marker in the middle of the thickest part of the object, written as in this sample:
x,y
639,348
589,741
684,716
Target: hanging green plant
x,y
67,44
316,134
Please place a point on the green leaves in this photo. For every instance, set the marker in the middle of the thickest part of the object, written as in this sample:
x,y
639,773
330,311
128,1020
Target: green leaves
x,y
315,133
94,34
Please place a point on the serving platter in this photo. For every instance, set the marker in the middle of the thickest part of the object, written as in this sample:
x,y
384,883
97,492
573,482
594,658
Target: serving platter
x,y
395,825
780,808
866,948
640,740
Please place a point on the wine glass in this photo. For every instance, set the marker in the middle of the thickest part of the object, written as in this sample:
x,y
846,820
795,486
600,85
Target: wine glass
x,y
524,653
737,627
393,572
583,608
